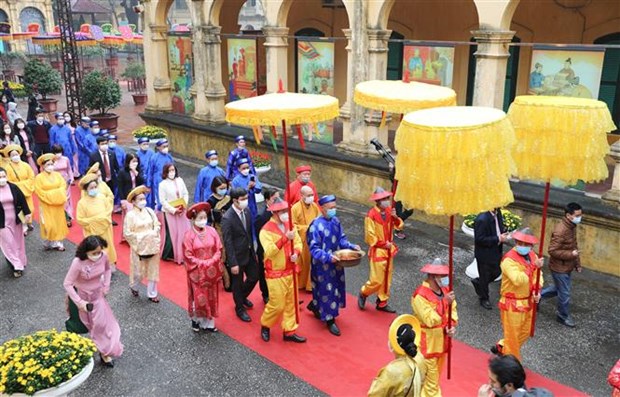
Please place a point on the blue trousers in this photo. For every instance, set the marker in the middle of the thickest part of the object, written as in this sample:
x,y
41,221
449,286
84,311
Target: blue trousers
x,y
560,288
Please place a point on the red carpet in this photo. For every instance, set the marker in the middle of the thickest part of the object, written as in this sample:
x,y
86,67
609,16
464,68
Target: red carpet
x,y
339,366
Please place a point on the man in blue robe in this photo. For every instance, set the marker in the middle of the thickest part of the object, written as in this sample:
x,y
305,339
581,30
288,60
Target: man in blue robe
x,y
324,237
144,154
238,153
120,160
160,158
206,177
80,131
87,143
248,181
60,133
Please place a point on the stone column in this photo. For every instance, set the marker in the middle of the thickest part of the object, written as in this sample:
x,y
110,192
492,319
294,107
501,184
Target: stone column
x,y
156,64
276,48
377,70
613,194
215,92
198,89
491,60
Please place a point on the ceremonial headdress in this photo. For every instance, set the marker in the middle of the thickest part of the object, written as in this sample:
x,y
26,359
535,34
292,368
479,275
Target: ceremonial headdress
x,y
87,179
210,153
404,330
137,191
327,199
380,194
303,168
437,267
9,148
525,235
193,211
44,158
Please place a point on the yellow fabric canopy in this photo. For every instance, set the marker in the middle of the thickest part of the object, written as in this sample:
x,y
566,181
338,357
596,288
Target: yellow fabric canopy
x,y
393,96
293,108
560,138
454,160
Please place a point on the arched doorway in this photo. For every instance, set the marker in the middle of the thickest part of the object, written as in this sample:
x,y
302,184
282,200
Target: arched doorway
x,y
395,56
30,15
4,18
610,77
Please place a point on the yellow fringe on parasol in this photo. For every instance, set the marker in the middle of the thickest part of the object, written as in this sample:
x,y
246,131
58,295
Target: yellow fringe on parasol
x,y
271,109
392,96
454,160
560,138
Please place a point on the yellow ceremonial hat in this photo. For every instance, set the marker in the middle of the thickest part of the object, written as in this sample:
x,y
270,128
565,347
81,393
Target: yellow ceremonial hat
x,y
87,179
93,169
44,158
139,190
401,335
9,148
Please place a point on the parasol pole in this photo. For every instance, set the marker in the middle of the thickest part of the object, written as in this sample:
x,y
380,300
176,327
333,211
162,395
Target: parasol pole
x,y
389,238
540,252
450,286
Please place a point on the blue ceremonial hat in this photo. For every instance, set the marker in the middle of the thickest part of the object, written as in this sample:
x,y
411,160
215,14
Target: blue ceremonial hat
x,y
239,138
327,199
143,140
161,142
211,153
104,132
111,137
94,123
85,119
58,115
242,161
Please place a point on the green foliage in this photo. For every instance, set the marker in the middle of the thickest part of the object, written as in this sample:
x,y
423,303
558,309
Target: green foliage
x,y
41,77
149,131
134,70
100,93
91,51
511,221
8,59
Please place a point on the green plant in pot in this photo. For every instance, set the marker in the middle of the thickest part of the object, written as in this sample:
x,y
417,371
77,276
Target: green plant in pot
x,y
40,77
101,94
135,74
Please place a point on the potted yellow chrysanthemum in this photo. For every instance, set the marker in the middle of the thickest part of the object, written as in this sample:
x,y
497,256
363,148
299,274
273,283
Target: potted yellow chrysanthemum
x,y
46,363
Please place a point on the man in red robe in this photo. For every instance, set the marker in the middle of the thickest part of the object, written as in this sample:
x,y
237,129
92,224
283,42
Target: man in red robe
x,y
304,173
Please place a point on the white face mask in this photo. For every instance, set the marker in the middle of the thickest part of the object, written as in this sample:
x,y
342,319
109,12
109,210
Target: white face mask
x,y
60,121
308,200
144,146
40,120
200,223
7,131
95,257
284,217
141,204
213,163
112,145
49,168
103,148
245,172
165,150
95,131
67,119
20,126
385,203
3,181
172,174
15,158
243,204
133,165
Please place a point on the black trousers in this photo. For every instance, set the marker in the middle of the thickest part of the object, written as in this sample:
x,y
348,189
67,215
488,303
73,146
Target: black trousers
x,y
487,273
244,282
41,148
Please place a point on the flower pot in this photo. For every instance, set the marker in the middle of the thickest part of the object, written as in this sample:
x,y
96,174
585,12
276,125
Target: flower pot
x,y
467,230
67,387
57,65
111,62
49,105
88,69
472,271
139,99
263,169
108,121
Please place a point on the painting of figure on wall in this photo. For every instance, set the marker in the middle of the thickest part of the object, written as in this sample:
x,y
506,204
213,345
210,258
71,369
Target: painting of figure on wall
x,y
429,64
242,69
180,64
566,72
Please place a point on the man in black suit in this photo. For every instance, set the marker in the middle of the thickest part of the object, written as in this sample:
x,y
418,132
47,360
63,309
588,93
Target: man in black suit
x,y
240,253
489,236
107,162
270,195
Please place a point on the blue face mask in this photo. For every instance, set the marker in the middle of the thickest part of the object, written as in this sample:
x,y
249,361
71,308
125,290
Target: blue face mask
x,y
93,192
222,192
444,281
523,251
576,220
330,213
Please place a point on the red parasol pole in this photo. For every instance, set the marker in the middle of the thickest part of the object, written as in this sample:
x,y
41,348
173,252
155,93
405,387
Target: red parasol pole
x,y
290,216
389,238
540,252
450,286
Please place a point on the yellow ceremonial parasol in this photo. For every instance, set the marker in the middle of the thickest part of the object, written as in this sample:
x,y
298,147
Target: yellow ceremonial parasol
x,y
282,108
454,160
562,138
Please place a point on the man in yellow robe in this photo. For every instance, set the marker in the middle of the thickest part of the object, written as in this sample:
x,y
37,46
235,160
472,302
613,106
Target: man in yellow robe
x,y
379,226
518,295
304,212
94,214
20,174
282,248
404,376
431,303
51,189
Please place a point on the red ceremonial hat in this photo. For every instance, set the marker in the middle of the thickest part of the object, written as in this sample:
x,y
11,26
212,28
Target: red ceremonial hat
x,y
303,168
380,194
278,205
437,267
196,208
525,236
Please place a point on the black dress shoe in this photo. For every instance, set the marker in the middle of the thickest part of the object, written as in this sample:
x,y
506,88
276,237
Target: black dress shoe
x,y
314,310
486,304
114,223
294,338
361,301
109,364
248,304
476,284
195,326
387,308
264,333
333,328
244,316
